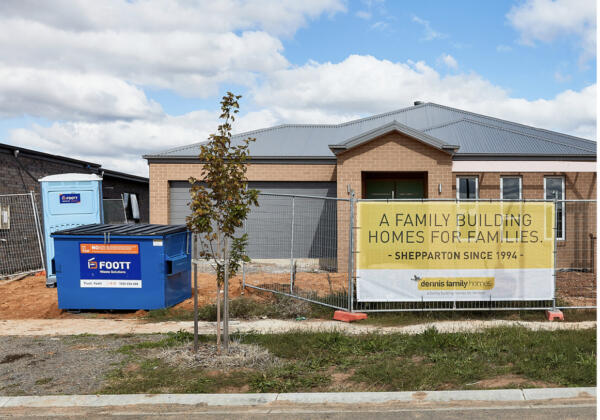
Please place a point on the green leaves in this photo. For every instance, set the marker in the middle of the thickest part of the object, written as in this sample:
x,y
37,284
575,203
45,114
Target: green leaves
x,y
220,200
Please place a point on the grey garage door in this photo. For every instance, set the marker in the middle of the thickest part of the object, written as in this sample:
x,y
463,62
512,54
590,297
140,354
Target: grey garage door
x,y
269,226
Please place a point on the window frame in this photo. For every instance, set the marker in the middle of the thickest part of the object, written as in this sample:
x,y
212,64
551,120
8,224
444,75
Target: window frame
x,y
563,235
502,178
458,178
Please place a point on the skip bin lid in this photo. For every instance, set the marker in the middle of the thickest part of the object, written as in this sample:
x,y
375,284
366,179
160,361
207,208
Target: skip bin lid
x,y
141,229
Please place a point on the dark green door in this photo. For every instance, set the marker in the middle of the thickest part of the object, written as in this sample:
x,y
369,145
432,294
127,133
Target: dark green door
x,y
409,188
397,188
379,189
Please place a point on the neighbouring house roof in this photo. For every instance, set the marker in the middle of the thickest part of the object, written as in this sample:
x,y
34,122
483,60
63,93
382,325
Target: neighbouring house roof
x,y
90,167
459,132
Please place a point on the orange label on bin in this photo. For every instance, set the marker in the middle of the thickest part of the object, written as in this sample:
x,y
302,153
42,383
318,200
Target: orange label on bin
x,y
109,248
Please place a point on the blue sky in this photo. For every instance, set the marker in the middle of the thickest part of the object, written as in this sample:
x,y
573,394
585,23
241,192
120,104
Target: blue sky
x,y
110,81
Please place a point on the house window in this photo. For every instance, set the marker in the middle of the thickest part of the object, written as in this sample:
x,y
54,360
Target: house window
x,y
510,188
554,189
467,187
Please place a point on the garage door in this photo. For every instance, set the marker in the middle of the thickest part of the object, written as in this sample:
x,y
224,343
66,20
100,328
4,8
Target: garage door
x,y
269,226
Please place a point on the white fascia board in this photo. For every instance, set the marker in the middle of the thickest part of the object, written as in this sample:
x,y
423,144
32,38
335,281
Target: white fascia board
x,y
522,166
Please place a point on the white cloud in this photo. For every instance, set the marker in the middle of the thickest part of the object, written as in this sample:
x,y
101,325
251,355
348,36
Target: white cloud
x,y
429,34
546,20
313,93
190,47
71,95
365,85
119,145
282,17
86,63
449,61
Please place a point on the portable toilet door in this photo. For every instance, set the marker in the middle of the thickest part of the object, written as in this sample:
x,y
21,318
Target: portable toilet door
x,y
68,201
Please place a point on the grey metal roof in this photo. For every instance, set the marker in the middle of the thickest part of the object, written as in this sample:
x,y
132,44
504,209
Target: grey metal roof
x,y
476,137
473,133
394,126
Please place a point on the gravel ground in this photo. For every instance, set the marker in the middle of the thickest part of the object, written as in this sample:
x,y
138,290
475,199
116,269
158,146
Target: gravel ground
x,y
59,365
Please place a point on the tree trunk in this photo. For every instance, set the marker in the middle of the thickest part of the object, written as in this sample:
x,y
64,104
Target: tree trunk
x,y
226,300
195,274
218,319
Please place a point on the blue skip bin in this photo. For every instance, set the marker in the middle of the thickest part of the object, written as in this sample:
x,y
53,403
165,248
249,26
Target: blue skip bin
x,y
129,266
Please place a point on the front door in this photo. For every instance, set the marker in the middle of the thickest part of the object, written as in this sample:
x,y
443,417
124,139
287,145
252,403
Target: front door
x,y
394,188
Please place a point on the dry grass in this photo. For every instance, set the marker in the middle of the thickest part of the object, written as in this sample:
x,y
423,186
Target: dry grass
x,y
240,356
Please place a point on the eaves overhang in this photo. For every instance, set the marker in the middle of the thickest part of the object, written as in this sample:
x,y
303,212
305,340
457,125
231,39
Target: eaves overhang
x,y
307,160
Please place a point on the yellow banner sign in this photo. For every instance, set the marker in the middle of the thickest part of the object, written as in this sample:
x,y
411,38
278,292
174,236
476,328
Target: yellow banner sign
x,y
449,235
444,251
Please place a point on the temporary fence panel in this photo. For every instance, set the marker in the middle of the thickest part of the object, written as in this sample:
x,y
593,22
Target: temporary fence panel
x,y
576,268
292,241
537,271
113,210
21,240
309,248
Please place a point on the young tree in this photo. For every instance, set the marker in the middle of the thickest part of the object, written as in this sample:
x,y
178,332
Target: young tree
x,y
220,202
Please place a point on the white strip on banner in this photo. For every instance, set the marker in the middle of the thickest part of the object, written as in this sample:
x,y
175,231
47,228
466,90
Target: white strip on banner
x,y
455,251
118,284
454,285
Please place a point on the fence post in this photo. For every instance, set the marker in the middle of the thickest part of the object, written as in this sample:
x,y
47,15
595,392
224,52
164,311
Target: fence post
x,y
555,252
292,247
243,263
351,255
37,229
195,274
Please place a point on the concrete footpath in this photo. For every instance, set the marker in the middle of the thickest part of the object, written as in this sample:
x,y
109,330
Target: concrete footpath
x,y
39,327
505,395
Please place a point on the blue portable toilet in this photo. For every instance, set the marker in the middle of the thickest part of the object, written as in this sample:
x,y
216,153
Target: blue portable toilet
x,y
68,201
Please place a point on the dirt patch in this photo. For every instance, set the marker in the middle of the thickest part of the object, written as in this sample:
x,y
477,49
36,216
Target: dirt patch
x,y
235,389
29,298
510,381
131,367
417,359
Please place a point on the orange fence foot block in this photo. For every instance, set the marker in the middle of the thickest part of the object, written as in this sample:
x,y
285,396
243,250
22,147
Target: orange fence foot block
x,y
348,316
555,314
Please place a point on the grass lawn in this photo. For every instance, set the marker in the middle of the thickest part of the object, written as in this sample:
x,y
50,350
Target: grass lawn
x,y
332,361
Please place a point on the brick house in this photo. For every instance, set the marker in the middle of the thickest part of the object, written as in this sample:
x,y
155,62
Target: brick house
x,y
425,151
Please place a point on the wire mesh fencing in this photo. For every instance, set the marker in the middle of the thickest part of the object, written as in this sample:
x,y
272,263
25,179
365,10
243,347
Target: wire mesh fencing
x,y
574,273
21,239
576,268
293,244
113,210
306,247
